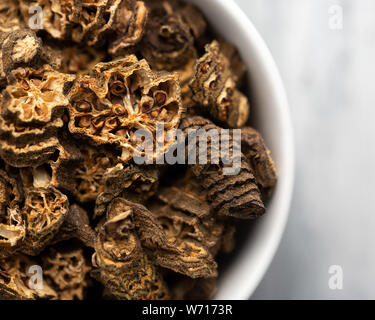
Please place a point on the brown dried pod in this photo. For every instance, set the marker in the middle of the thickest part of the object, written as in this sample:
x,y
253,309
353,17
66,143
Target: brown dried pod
x,y
10,19
32,106
135,183
121,97
66,271
45,210
229,195
214,89
57,15
12,226
120,262
168,43
77,225
15,280
129,25
259,156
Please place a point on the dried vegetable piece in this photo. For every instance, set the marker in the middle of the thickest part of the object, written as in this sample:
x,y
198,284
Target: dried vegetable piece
x,y
168,43
129,25
12,227
32,106
45,210
259,156
90,172
122,265
66,271
10,19
57,15
15,280
132,182
214,89
77,225
229,195
121,97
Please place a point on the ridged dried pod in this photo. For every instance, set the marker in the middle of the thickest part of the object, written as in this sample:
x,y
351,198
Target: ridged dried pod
x,y
66,270
45,210
120,262
32,106
10,19
259,156
132,182
128,26
12,226
229,195
121,97
214,89
15,280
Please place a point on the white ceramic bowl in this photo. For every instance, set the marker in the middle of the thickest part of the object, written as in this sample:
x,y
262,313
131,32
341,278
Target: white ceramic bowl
x,y
270,115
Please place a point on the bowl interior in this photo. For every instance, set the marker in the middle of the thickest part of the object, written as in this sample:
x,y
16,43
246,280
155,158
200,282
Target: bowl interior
x,y
270,115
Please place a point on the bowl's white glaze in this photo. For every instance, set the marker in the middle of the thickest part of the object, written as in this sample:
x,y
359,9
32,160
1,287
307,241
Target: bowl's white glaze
x,y
270,113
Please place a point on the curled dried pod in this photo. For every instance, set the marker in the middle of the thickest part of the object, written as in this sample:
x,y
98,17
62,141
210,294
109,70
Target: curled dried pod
x,y
214,89
15,280
259,156
121,97
45,210
235,195
168,43
12,225
119,260
66,271
129,25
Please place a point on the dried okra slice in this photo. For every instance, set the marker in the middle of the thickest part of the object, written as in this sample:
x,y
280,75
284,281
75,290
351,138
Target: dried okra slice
x,y
45,210
128,26
12,226
259,156
15,280
119,260
66,271
32,106
121,97
214,89
228,195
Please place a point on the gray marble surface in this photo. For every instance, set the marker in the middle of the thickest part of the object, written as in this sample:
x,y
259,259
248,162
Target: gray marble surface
x,y
329,77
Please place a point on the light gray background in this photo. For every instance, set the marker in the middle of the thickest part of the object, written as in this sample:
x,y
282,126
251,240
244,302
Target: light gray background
x,y
329,77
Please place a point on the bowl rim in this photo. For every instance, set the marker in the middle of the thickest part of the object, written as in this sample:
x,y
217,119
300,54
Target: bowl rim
x,y
231,286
